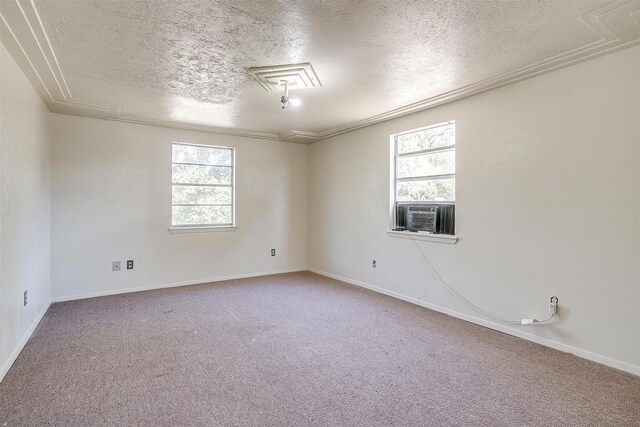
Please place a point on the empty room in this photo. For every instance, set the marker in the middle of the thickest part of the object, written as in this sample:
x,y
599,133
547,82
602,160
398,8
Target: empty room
x,y
319,213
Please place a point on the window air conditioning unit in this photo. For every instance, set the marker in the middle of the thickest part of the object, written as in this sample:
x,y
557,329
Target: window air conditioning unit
x,y
422,218
430,218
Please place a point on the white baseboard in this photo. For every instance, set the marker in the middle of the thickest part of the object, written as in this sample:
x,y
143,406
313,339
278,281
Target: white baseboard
x,y
169,285
623,366
16,352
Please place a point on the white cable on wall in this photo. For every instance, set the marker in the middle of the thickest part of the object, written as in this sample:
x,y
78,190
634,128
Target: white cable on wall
x,y
453,292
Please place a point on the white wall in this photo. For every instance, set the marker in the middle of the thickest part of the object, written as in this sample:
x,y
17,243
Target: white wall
x,y
25,197
548,203
112,201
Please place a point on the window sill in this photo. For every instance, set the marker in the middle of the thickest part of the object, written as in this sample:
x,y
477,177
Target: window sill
x,y
427,237
180,230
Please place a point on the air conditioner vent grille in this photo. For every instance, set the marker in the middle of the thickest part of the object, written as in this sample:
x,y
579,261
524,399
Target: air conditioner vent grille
x,y
299,76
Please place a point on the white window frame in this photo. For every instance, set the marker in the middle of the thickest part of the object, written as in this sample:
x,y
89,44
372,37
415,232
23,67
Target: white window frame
x,y
194,228
445,238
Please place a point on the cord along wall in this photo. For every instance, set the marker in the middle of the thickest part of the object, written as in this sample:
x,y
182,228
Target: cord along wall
x,y
546,205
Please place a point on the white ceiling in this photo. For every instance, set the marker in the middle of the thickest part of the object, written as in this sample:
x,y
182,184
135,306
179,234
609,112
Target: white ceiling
x,y
182,63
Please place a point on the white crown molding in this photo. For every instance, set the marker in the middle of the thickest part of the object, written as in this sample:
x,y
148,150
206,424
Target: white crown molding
x,y
41,64
300,136
616,23
623,31
194,127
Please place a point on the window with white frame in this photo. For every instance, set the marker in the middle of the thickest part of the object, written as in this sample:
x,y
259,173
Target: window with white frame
x,y
202,180
424,179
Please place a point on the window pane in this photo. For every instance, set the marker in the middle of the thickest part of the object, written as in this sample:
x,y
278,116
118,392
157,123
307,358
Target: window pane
x,y
201,215
190,174
201,155
426,139
439,163
434,190
201,195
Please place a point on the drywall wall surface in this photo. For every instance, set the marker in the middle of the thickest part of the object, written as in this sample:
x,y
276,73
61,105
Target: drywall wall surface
x,y
112,202
25,200
548,203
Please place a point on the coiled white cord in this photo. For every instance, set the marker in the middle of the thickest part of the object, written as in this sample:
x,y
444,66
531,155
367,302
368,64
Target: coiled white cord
x,y
453,292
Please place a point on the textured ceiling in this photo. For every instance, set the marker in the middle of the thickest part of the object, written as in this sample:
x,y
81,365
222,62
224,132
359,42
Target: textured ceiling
x,y
182,63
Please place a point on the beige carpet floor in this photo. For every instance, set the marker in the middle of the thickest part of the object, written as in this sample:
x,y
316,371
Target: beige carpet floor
x,y
294,350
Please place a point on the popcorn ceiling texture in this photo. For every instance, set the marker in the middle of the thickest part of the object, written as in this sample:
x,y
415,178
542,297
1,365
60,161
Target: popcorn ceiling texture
x,y
185,60
179,54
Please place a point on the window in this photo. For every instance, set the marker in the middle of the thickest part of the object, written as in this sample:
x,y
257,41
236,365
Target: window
x,y
424,178
202,185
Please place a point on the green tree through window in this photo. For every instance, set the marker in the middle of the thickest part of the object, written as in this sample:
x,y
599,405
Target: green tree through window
x,y
202,185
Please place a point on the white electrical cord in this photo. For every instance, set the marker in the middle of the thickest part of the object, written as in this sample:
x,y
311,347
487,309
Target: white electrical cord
x,y
472,305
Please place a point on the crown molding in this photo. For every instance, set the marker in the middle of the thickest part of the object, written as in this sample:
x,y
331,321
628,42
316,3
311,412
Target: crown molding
x,y
195,127
616,23
300,136
41,64
622,31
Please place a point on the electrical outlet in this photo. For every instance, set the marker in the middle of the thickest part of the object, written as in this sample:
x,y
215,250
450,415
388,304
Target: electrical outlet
x,y
273,252
373,263
115,266
24,299
129,264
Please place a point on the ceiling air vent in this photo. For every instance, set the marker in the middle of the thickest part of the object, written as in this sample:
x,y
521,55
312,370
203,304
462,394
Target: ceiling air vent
x,y
298,76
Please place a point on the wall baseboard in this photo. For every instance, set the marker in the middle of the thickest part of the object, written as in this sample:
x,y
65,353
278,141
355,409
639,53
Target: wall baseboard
x,y
169,285
16,352
617,364
594,357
